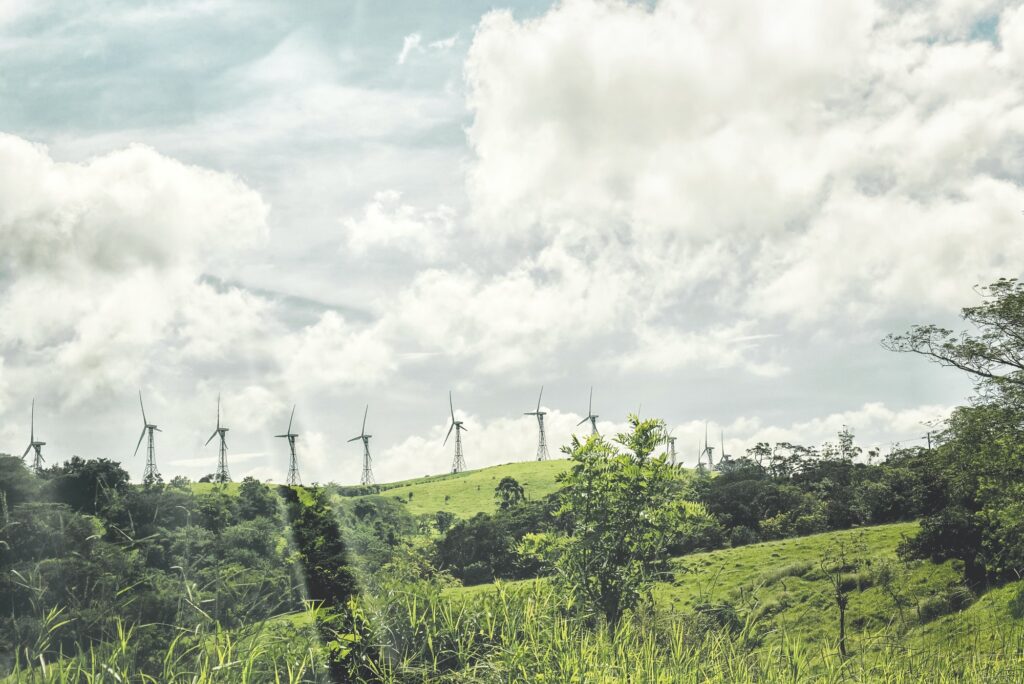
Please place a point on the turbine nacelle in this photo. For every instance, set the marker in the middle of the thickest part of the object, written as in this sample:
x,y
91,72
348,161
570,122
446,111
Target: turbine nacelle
x,y
537,411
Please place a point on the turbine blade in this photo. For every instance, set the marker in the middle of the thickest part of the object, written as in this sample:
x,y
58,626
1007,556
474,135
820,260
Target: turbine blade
x,y
463,428
143,408
354,439
211,437
218,413
539,397
363,431
27,449
590,404
32,429
583,421
143,434
157,429
290,420
448,435
451,406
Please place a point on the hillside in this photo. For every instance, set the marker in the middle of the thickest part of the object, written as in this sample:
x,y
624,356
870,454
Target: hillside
x,y
781,586
471,492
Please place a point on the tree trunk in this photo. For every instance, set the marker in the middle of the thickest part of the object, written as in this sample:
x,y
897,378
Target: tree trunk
x,y
842,630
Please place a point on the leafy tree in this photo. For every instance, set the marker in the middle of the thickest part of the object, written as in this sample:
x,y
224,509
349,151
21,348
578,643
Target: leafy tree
x,y
509,493
444,520
255,500
994,355
622,509
980,453
87,485
16,481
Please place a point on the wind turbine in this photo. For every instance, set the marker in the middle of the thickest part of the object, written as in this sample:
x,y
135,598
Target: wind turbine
x,y
542,441
708,449
670,443
33,445
459,462
293,463
222,461
722,456
590,415
150,474
367,478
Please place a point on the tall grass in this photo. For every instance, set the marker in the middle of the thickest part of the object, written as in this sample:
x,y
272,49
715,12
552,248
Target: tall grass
x,y
527,634
283,649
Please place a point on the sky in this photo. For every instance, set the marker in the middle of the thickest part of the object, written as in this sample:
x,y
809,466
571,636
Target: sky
x,y
710,213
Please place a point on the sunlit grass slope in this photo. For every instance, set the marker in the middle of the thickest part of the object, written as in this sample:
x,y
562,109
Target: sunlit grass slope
x,y
782,585
466,494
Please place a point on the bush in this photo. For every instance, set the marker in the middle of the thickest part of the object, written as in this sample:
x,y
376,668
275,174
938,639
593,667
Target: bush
x,y
742,535
951,600
1017,603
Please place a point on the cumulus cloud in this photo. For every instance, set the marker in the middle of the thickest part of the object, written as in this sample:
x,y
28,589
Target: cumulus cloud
x,y
389,224
333,353
786,137
103,257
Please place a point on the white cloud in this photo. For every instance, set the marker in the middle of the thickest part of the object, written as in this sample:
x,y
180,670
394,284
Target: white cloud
x,y
485,443
389,224
874,425
107,255
721,346
331,353
824,150
444,44
411,43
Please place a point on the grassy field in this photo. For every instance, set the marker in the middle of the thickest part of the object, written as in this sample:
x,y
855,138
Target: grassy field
x,y
782,586
466,494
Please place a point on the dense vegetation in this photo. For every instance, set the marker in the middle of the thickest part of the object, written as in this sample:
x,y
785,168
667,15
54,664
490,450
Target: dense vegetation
x,y
790,563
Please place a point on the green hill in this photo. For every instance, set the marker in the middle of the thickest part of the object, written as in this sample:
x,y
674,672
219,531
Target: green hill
x,y
471,492
781,587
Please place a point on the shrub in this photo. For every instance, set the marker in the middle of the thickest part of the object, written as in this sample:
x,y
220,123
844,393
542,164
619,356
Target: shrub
x,y
742,535
950,600
1017,603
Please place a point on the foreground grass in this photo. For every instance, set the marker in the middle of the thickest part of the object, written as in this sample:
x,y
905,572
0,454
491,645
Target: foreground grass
x,y
526,633
282,649
786,617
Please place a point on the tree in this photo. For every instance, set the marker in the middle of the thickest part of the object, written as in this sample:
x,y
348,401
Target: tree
x,y
994,356
255,500
509,493
444,520
621,510
980,453
843,558
87,485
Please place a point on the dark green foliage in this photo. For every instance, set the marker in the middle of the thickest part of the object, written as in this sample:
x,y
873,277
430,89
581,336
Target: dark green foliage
x,y
1017,603
255,500
324,555
444,520
978,517
509,493
87,486
17,483
950,600
102,551
483,548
